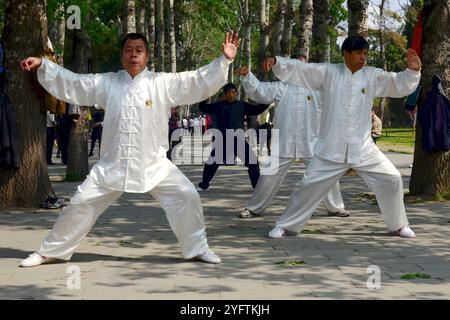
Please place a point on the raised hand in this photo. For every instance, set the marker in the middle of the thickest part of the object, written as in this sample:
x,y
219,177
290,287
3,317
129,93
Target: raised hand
x,y
269,63
30,63
242,71
414,62
230,45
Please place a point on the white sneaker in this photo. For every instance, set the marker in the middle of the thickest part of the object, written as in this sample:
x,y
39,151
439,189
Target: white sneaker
x,y
248,214
208,257
35,259
277,232
404,232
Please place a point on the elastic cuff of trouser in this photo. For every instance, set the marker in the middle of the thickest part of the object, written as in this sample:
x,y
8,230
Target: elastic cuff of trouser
x,y
64,258
399,226
199,249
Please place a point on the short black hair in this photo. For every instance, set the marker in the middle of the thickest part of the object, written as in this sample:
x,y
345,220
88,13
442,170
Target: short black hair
x,y
229,86
134,36
353,43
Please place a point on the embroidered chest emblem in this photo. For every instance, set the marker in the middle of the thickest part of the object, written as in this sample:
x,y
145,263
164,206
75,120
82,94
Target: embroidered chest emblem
x,y
148,103
309,98
364,91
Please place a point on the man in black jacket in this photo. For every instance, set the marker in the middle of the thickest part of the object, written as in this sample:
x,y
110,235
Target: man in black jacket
x,y
230,117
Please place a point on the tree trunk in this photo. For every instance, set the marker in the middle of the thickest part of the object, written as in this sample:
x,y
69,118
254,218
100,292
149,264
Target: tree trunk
x,y
61,36
151,34
305,27
381,32
430,176
264,36
287,32
320,51
25,35
160,31
173,43
129,17
278,26
358,17
77,164
141,27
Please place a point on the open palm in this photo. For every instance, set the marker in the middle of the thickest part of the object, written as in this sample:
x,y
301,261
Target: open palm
x,y
230,45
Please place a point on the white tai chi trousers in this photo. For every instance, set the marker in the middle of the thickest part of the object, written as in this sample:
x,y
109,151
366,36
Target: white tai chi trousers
x,y
176,195
378,173
268,186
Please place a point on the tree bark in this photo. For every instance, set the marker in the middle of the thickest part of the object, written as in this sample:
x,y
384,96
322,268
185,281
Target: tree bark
x,y
278,26
381,32
430,176
286,43
77,163
141,26
358,18
129,17
172,41
151,34
264,11
61,36
25,35
320,51
305,27
160,31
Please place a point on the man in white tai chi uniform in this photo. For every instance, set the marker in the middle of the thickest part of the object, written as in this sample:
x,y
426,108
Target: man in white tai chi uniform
x,y
133,152
348,90
297,119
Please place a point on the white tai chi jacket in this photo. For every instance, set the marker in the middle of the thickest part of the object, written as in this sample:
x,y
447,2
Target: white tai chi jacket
x,y
297,116
345,122
135,130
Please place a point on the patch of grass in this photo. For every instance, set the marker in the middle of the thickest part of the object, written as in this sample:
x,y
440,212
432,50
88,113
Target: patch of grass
x,y
398,136
292,263
444,196
397,140
409,276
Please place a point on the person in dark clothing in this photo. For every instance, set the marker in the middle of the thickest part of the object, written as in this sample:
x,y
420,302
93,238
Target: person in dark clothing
x,y
229,114
51,135
97,130
174,122
64,126
434,118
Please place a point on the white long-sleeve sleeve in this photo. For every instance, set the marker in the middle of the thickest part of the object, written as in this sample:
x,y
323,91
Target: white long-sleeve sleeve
x,y
262,92
296,72
193,86
396,85
79,89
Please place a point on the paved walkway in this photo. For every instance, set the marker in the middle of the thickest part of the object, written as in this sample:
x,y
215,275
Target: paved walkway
x,y
131,252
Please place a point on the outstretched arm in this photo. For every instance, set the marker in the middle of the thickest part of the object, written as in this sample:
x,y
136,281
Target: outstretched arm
x,y
194,86
79,89
397,85
261,92
296,72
